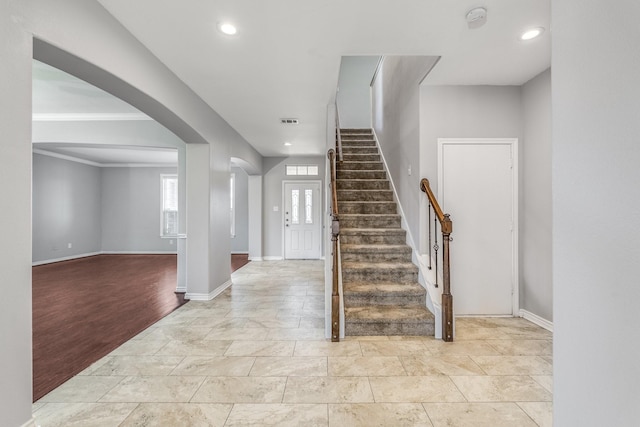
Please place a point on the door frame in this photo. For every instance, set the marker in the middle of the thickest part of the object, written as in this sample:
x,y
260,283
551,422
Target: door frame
x,y
284,202
515,174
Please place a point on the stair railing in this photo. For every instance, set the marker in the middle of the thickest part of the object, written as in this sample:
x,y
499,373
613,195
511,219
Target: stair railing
x,y
446,227
335,236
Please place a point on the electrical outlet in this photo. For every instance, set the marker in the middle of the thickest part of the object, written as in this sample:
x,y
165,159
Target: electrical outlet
x,y
69,245
171,242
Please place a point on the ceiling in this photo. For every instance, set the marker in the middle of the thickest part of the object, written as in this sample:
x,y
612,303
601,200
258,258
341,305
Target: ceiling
x,y
284,60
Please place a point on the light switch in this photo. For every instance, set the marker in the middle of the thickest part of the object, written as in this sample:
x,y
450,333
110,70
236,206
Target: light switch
x,y
275,208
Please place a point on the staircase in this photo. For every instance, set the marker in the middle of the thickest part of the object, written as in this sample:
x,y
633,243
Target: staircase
x,y
382,295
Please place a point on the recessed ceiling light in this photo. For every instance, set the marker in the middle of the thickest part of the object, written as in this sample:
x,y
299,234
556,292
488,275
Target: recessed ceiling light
x,y
531,33
228,29
287,144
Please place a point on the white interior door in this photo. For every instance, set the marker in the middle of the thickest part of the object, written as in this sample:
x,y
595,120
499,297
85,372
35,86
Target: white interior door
x,y
477,186
302,220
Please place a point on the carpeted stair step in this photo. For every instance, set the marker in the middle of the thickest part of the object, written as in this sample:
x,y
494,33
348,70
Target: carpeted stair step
x,y
365,195
361,174
375,253
358,143
399,272
356,136
360,157
362,184
367,207
355,130
351,166
357,149
383,293
372,236
388,320
370,221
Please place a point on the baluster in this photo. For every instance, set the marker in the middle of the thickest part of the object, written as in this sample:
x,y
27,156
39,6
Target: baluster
x,y
435,246
429,222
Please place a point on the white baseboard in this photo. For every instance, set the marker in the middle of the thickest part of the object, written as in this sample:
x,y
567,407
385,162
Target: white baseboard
x,y
66,258
256,258
534,318
78,256
139,253
272,258
211,295
30,423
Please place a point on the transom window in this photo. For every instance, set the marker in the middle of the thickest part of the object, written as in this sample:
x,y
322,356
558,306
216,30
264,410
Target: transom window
x,y
302,170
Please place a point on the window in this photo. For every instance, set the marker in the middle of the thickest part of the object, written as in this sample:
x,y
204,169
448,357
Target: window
x,y
232,192
169,214
308,206
302,170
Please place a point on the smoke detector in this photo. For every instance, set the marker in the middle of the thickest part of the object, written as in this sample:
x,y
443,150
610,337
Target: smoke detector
x,y
476,17
289,121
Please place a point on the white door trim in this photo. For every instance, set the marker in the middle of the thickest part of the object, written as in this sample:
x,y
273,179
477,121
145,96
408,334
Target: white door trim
x,y
513,143
284,202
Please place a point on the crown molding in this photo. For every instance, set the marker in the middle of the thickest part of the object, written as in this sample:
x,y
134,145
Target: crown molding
x,y
89,117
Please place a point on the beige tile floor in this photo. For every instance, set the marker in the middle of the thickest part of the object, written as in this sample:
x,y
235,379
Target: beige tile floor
x,y
256,355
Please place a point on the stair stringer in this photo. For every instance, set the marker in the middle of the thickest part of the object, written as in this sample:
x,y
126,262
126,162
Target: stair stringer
x,y
433,295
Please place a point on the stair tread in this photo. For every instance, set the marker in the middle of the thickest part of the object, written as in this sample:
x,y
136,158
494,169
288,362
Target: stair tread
x,y
371,231
387,313
352,247
389,288
361,265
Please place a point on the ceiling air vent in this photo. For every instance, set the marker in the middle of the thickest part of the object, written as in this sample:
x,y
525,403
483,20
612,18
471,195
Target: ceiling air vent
x,y
289,121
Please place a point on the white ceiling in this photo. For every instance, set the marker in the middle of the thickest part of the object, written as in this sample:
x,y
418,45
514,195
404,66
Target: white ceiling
x,y
285,59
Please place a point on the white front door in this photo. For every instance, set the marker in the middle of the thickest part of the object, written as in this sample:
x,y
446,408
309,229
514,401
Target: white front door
x,y
302,220
478,187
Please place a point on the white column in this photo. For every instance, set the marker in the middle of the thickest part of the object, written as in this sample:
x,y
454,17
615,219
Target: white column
x,y
197,226
255,217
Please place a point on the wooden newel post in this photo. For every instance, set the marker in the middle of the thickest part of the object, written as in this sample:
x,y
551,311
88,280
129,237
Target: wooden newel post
x,y
335,296
447,298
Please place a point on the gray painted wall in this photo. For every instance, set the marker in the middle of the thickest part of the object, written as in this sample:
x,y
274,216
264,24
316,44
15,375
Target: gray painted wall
x,y
66,208
15,212
596,212
396,121
131,201
354,95
95,209
272,221
81,37
536,290
240,243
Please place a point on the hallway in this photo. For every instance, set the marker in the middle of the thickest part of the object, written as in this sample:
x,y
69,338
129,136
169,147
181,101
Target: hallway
x,y
256,355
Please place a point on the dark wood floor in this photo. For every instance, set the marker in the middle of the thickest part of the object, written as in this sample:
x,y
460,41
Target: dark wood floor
x,y
83,309
238,260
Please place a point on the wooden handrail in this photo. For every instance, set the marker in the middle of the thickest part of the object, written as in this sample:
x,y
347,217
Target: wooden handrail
x,y
445,222
335,235
446,227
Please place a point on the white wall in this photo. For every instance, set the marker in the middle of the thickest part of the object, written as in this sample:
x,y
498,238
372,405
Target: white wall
x,y
396,121
272,221
66,208
596,212
354,91
95,209
536,290
82,38
240,243
130,205
15,212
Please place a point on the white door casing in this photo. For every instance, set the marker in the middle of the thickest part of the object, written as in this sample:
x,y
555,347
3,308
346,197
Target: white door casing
x,y
478,186
302,222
